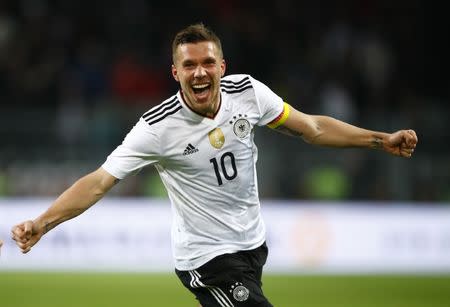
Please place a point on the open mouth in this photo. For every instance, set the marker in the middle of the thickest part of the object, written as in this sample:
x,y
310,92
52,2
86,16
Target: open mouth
x,y
201,88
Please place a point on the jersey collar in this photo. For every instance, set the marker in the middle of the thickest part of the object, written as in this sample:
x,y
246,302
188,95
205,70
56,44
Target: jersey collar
x,y
194,113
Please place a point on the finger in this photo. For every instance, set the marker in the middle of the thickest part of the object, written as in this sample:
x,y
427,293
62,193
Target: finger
x,y
22,246
20,240
26,247
16,232
28,229
413,133
407,153
18,235
408,145
408,140
413,137
407,149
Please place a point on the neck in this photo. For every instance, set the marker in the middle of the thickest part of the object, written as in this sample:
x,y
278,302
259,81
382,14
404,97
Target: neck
x,y
210,113
215,108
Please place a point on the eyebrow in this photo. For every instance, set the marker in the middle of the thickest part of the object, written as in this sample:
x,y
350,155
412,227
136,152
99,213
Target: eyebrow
x,y
210,60
187,62
206,60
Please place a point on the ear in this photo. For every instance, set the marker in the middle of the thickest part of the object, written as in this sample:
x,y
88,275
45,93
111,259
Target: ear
x,y
175,73
223,67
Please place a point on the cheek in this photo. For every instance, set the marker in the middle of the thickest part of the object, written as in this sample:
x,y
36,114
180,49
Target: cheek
x,y
187,82
186,76
183,79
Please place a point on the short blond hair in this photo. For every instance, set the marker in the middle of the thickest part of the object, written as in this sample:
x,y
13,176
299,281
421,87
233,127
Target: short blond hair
x,y
195,33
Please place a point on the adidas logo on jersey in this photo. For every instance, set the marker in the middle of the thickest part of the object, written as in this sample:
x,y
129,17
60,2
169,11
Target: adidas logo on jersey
x,y
189,150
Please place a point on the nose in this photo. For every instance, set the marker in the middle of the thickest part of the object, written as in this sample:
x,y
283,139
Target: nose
x,y
199,72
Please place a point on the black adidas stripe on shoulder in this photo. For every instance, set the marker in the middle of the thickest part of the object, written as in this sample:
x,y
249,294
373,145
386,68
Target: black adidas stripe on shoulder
x,y
234,82
161,111
236,90
231,87
160,107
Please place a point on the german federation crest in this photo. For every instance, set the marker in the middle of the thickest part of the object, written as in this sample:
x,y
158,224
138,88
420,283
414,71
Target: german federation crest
x,y
241,128
240,293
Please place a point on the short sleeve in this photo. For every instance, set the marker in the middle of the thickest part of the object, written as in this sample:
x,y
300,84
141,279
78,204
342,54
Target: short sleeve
x,y
270,104
138,149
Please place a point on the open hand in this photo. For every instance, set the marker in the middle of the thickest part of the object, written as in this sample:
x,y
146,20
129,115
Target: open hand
x,y
401,143
26,234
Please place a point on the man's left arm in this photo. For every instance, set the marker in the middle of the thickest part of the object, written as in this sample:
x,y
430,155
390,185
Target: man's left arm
x,y
328,131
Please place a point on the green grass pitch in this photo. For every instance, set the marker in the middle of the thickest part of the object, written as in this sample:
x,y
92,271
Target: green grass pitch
x,y
136,290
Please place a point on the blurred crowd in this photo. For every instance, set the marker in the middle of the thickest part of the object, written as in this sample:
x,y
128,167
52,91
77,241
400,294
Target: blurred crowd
x,y
76,75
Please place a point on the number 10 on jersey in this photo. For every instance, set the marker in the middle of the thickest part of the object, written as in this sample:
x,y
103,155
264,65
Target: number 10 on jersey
x,y
226,160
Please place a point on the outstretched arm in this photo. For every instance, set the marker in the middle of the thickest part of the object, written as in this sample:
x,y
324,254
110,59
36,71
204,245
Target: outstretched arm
x,y
327,131
75,200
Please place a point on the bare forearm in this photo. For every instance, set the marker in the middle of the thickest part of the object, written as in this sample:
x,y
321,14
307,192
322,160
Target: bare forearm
x,y
333,132
327,131
75,200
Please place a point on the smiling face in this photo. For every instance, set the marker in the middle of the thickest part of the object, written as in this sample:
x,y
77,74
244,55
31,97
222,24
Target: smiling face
x,y
198,68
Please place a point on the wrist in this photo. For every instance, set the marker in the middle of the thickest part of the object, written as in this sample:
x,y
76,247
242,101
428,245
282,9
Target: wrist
x,y
378,141
41,225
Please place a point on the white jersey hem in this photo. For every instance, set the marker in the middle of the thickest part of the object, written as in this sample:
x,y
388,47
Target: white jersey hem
x,y
195,264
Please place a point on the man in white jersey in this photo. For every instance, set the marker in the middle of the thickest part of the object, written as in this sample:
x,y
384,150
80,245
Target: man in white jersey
x,y
201,142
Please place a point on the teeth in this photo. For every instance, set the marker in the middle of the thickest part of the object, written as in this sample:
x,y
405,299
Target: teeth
x,y
200,86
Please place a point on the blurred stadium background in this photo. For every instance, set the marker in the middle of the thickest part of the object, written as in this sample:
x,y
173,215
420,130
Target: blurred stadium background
x,y
76,75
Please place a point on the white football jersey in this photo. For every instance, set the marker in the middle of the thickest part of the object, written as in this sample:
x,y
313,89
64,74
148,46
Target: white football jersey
x,y
207,166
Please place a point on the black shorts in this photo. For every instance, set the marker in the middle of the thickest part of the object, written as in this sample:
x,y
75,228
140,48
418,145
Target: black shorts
x,y
229,280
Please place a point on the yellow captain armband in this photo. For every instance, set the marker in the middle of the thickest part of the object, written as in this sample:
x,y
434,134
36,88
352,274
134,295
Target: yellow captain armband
x,y
280,119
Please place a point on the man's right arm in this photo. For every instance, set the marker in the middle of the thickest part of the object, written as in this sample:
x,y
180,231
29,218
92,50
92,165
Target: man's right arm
x,y
75,200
